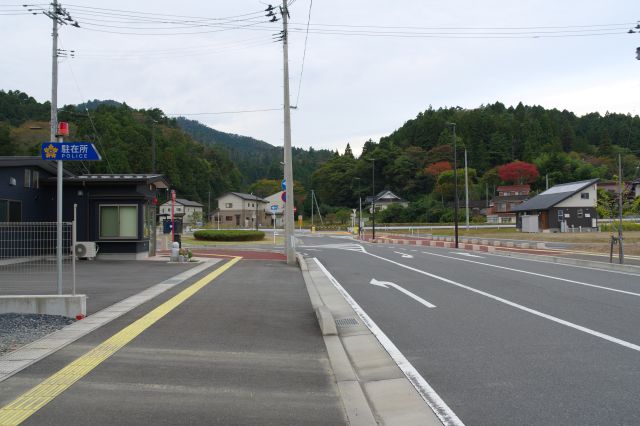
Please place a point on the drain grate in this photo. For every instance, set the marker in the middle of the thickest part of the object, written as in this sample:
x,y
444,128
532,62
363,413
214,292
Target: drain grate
x,y
347,322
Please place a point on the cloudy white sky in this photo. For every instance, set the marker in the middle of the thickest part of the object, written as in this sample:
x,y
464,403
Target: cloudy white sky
x,y
569,54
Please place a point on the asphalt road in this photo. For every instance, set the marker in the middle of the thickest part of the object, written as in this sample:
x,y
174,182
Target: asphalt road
x,y
510,341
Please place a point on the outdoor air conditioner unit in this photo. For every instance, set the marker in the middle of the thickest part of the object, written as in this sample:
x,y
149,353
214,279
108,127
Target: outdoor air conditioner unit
x,y
86,249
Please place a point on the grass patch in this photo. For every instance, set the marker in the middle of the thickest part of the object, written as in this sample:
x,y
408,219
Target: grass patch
x,y
228,235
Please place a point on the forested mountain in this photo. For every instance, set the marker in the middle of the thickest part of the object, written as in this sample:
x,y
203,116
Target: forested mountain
x,y
123,136
412,159
254,158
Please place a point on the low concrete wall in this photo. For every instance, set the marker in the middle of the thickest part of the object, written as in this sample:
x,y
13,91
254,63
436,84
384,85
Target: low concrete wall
x,y
65,305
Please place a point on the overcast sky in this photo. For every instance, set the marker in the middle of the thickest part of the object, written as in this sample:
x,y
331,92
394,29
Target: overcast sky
x,y
565,54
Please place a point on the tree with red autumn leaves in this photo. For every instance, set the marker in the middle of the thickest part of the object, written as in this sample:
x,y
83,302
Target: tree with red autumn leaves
x,y
518,172
436,168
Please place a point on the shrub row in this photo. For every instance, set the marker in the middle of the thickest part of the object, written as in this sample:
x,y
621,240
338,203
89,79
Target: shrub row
x,y
626,226
228,235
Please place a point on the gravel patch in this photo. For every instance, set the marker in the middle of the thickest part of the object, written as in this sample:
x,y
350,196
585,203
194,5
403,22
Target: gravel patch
x,y
17,330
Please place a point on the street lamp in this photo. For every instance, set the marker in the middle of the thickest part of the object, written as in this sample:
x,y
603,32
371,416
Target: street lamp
x,y
359,208
455,183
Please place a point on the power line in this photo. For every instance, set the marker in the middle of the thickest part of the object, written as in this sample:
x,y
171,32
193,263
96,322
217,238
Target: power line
x,y
245,111
304,52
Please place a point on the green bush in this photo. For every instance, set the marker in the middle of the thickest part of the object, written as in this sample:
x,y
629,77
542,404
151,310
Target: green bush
x,y
228,235
626,226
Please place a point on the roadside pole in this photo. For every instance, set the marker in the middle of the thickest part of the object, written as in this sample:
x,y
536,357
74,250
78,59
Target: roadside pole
x,y
466,188
620,199
289,243
54,137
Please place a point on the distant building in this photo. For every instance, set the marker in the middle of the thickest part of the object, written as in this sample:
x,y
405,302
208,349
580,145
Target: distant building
x,y
384,199
183,209
500,206
560,208
274,209
236,209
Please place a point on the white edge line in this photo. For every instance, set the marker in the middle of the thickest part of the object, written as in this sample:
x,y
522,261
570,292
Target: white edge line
x,y
439,407
517,306
506,256
535,274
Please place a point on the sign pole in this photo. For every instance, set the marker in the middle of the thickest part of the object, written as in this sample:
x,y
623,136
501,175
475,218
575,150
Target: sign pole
x,y
173,224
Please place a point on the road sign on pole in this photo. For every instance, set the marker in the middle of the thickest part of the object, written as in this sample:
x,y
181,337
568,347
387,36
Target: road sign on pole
x,y
283,184
283,197
69,151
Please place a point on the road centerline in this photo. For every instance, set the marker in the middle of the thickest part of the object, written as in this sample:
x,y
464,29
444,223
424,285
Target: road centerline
x,y
37,397
552,318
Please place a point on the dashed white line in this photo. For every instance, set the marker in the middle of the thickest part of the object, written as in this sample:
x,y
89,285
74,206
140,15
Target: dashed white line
x,y
517,306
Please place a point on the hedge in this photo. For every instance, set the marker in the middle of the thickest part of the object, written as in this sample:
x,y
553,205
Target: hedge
x,y
228,235
626,226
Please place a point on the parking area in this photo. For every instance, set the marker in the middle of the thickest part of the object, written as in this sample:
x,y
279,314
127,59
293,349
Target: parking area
x,y
105,282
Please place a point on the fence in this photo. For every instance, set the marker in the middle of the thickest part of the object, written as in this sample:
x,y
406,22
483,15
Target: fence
x,y
28,256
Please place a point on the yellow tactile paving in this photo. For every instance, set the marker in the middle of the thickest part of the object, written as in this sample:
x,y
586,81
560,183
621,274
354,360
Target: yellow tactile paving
x,y
31,401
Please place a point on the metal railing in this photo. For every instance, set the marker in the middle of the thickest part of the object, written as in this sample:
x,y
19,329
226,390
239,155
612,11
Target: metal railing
x,y
28,254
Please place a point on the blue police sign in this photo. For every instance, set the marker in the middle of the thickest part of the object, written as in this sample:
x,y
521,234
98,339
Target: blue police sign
x,y
69,151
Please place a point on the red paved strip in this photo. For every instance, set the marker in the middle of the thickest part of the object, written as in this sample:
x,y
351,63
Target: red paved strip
x,y
222,253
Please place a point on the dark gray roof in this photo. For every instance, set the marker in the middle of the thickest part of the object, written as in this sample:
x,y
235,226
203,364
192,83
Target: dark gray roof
x,y
188,203
249,197
554,195
28,161
157,179
385,195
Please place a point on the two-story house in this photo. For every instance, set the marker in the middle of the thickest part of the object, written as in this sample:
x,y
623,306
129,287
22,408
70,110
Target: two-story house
x,y
500,206
236,209
184,209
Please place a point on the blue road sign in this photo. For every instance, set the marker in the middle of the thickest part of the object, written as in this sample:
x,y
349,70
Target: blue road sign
x,y
274,208
283,184
69,151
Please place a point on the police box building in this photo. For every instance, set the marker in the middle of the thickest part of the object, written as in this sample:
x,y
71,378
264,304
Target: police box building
x,y
114,212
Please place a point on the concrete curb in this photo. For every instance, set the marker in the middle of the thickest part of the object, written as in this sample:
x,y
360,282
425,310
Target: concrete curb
x,y
573,262
373,388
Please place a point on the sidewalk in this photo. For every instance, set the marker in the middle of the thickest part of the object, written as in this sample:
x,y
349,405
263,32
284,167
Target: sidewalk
x,y
244,349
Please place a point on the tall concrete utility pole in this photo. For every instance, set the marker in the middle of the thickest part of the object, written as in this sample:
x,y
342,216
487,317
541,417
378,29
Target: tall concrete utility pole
x,y
54,131
620,200
289,238
466,188
455,184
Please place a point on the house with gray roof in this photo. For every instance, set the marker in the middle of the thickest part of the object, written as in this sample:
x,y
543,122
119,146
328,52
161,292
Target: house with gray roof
x,y
384,199
240,210
561,208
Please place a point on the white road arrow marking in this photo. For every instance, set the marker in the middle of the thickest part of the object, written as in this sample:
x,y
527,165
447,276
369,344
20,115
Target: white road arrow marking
x,y
466,254
387,284
405,255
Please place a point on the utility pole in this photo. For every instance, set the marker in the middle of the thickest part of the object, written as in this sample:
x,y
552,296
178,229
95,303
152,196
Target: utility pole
x,y
466,188
455,184
359,209
373,198
288,166
312,198
153,146
209,207
54,131
620,198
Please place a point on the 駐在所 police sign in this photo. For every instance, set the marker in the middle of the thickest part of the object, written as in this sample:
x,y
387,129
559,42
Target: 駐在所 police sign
x,y
69,151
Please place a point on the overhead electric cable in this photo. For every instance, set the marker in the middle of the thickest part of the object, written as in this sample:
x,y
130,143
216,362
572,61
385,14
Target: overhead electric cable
x,y
304,53
227,112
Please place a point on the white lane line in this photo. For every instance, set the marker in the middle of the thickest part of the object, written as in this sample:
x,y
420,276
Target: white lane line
x,y
517,306
503,256
405,255
439,407
464,254
387,284
536,274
